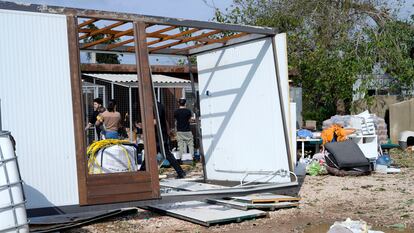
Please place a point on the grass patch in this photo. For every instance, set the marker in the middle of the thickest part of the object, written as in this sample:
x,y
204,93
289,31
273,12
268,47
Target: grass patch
x,y
410,202
402,158
397,226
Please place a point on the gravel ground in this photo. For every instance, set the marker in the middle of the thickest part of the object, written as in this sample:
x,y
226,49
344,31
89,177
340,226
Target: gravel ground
x,y
382,200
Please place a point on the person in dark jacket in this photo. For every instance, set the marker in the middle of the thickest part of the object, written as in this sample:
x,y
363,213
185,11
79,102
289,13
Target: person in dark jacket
x,y
97,109
164,132
183,116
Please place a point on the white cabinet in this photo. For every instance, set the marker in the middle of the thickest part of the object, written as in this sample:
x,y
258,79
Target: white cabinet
x,y
368,144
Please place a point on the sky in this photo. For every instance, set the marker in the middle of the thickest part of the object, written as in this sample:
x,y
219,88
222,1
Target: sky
x,y
187,9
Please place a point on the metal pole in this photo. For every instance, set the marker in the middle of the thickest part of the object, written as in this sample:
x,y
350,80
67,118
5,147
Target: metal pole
x,y
159,94
197,114
161,138
112,90
6,176
1,127
130,114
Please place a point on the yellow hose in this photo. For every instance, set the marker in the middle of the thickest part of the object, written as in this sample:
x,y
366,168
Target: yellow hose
x,y
98,145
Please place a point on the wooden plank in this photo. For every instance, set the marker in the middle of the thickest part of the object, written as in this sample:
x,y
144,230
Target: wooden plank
x,y
111,46
101,48
120,198
206,214
158,33
77,103
169,37
125,178
146,100
107,38
109,31
100,31
212,41
125,68
155,34
87,22
185,40
246,206
265,198
117,189
189,185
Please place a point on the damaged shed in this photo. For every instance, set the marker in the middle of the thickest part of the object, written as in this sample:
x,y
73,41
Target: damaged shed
x,y
243,100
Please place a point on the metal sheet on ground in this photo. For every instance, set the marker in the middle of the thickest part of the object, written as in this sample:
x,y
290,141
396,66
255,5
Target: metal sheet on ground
x,y
188,185
206,214
265,198
246,206
61,222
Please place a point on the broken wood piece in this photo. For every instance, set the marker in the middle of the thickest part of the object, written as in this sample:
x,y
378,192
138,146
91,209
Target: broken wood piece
x,y
246,206
265,198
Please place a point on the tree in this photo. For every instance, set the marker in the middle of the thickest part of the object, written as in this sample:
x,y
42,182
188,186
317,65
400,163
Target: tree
x,y
102,57
331,43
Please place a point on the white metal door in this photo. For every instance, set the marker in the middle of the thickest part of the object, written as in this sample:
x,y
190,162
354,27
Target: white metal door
x,y
241,115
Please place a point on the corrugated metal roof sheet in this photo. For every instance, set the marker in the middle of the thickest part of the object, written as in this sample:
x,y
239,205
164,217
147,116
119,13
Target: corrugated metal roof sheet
x,y
131,79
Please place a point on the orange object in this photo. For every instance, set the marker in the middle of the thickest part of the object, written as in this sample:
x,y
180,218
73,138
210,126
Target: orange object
x,y
328,134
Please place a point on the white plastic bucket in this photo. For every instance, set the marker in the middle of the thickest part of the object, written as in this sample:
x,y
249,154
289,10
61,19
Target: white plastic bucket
x,y
12,204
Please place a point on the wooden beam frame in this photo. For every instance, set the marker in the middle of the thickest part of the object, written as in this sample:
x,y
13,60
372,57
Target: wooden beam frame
x,y
132,69
169,23
184,40
111,46
87,22
126,49
152,20
120,34
157,33
146,101
170,37
75,78
100,31
210,47
212,41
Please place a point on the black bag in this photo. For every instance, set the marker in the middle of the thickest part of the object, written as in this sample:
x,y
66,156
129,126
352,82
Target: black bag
x,y
347,156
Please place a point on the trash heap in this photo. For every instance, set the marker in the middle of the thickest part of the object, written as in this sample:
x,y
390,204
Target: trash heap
x,y
351,226
364,123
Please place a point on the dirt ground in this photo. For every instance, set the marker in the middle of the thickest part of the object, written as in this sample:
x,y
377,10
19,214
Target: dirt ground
x,y
385,201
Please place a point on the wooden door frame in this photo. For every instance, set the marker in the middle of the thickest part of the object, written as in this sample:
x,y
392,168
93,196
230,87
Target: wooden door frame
x,y
118,187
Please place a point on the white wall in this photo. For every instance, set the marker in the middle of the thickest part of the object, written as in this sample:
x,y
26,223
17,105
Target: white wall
x,y
290,114
240,112
36,102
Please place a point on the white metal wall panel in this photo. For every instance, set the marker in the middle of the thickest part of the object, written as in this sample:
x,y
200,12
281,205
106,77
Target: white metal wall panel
x,y
292,131
282,65
36,100
240,113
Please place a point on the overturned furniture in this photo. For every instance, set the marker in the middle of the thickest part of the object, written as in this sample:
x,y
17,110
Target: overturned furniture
x,y
243,71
